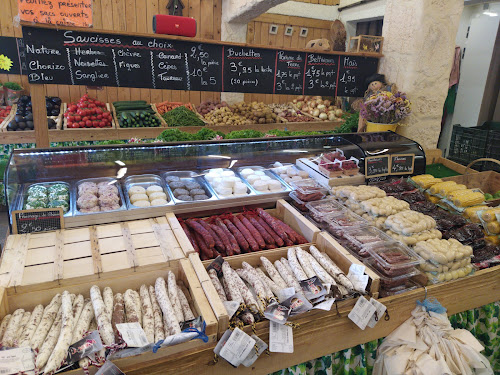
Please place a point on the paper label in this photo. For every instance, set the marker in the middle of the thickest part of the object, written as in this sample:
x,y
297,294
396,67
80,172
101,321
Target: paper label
x,y
231,307
313,288
298,304
325,305
90,344
222,341
17,360
237,347
379,312
277,313
133,334
253,355
357,269
286,293
359,281
280,338
362,312
109,368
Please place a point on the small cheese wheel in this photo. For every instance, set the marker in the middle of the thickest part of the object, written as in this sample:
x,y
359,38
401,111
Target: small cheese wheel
x,y
136,190
154,189
246,172
274,185
139,197
157,202
157,195
252,178
142,203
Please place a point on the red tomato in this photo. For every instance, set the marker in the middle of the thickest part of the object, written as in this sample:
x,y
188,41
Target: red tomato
x,y
88,124
73,108
102,124
78,118
82,124
95,124
99,117
85,118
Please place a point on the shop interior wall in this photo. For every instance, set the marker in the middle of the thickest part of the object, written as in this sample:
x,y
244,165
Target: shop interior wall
x,y
129,16
258,34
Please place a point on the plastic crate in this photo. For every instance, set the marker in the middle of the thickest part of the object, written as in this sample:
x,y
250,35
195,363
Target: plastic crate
x,y
467,144
492,149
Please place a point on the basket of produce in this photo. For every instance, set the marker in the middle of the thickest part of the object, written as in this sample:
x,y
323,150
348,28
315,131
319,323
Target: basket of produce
x,y
136,114
22,114
167,106
6,113
287,113
324,110
182,116
88,113
208,106
243,114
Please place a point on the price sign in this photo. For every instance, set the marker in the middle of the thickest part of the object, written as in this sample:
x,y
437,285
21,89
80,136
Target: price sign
x,y
402,164
39,220
377,166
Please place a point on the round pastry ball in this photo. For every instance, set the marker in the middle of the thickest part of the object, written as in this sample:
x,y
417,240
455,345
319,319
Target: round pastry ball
x,y
157,195
142,203
158,202
138,197
154,189
136,190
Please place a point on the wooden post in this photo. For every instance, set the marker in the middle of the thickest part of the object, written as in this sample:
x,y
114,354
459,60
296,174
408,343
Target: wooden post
x,y
40,115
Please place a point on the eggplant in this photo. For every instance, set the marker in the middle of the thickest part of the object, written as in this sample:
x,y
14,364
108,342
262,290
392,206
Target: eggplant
x,y
56,100
30,125
29,117
51,123
24,99
54,112
11,126
19,118
28,108
21,125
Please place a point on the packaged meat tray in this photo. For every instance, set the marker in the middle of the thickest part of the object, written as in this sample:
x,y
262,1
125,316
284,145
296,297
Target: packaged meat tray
x,y
261,180
393,259
346,219
299,204
226,183
397,186
98,195
387,282
47,195
308,190
146,190
187,186
362,236
408,286
325,207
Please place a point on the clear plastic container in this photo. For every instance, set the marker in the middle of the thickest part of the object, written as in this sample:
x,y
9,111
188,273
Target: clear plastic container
x,y
348,218
299,204
393,258
360,236
408,286
330,168
387,282
325,207
308,190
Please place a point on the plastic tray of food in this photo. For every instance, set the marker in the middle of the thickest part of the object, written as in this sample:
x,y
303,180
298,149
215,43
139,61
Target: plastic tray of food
x,y
393,258
288,172
226,184
325,207
299,204
408,286
360,236
262,180
390,282
187,186
47,195
93,195
147,190
345,219
309,190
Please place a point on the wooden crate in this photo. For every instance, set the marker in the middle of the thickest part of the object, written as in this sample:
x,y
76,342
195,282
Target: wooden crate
x,y
12,299
339,255
435,157
108,107
366,43
153,107
3,124
283,211
43,260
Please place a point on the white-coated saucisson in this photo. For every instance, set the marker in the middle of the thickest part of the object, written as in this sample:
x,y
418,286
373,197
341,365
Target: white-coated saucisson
x,y
320,271
3,325
31,326
291,282
131,310
232,291
148,322
118,315
78,308
107,297
137,300
217,284
253,274
305,263
186,309
332,269
24,320
101,316
270,283
284,262
83,323
294,265
64,340
171,323
174,297
253,281
273,273
245,292
159,328
10,334
49,315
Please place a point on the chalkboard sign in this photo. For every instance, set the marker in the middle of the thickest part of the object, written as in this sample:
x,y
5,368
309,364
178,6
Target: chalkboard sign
x,y
12,55
39,220
377,166
402,164
93,58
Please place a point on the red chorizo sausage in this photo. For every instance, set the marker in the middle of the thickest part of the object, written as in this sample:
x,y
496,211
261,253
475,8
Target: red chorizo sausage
x,y
253,231
218,242
198,228
190,237
234,244
225,240
245,232
264,234
205,251
237,234
299,239
272,223
277,239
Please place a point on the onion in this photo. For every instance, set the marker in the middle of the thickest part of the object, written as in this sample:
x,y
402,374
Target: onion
x,y
331,108
321,106
305,108
300,105
313,104
300,98
306,98
327,103
294,101
323,116
317,97
338,112
315,113
331,116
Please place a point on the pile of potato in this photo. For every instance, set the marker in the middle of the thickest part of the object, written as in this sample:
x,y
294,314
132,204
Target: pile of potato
x,y
209,105
224,116
257,113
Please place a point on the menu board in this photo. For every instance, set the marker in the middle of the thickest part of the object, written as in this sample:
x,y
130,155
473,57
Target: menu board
x,y
402,164
376,166
101,59
38,220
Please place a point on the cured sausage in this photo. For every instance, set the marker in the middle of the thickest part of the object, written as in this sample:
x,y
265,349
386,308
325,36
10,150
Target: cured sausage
x,y
273,273
291,282
285,264
277,239
174,297
131,309
83,323
78,308
232,240
118,316
31,326
255,283
295,266
11,331
107,296
148,323
320,271
305,263
205,251
218,241
101,316
245,232
225,240
171,323
159,328
186,309
24,320
268,239
3,325
268,293
198,228
243,244
232,292
332,269
217,285
273,223
294,236
49,315
189,236
50,341
245,293
253,231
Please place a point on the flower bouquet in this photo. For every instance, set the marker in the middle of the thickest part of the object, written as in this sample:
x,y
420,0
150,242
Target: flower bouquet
x,y
384,110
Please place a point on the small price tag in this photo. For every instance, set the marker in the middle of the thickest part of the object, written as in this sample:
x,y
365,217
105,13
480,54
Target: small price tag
x,y
237,347
109,368
357,269
89,344
15,361
379,312
231,307
325,305
133,334
357,276
280,338
253,355
286,293
362,312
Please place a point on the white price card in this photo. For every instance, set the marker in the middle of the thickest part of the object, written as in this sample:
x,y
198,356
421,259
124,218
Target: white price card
x,y
286,293
231,307
280,338
237,347
379,313
253,355
133,334
362,312
357,269
15,361
325,305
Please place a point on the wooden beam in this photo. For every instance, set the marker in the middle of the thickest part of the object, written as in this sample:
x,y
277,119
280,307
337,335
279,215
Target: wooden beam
x,y
40,115
293,21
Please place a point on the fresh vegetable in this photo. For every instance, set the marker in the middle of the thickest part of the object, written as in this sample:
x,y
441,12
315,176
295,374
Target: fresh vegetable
x,y
4,112
182,116
209,105
317,107
13,86
244,134
138,119
23,119
350,123
88,113
167,106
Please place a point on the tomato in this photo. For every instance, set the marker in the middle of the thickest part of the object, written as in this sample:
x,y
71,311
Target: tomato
x,y
85,118
102,124
88,124
78,118
82,124
73,108
99,117
95,124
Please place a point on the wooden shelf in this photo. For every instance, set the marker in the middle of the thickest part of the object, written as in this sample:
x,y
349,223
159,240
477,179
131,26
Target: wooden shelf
x,y
147,133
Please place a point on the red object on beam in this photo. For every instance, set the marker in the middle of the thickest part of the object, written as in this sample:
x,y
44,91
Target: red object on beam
x,y
174,25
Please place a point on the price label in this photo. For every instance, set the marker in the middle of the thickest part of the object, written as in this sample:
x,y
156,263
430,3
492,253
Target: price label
x,y
362,312
133,334
39,220
15,361
280,338
376,166
402,164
